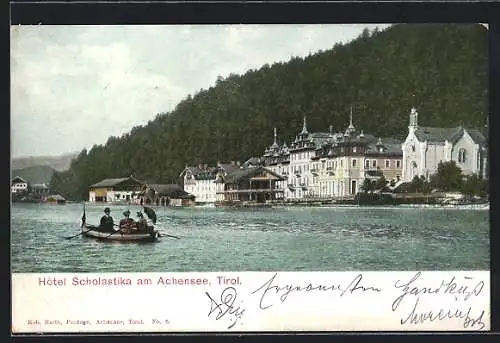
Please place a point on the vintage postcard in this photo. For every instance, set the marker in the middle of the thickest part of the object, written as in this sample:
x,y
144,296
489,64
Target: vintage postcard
x,y
240,178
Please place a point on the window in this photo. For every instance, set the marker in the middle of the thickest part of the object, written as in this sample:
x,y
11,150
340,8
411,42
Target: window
x,y
398,164
341,163
353,149
367,164
387,163
461,155
413,147
374,163
354,163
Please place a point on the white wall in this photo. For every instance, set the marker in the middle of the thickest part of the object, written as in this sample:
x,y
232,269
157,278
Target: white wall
x,y
18,187
203,190
470,165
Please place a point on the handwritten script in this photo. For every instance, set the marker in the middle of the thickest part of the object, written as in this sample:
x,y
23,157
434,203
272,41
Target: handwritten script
x,y
271,289
461,290
225,307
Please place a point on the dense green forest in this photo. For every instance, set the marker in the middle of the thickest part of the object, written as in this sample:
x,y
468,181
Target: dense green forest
x,y
445,67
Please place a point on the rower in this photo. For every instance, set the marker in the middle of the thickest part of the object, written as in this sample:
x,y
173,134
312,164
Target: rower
x,y
107,223
142,223
126,222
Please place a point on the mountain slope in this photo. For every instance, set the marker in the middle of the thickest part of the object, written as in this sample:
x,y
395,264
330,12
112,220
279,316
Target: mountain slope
x,y
445,66
35,174
59,163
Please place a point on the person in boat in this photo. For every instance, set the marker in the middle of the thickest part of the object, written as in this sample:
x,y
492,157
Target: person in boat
x,y
107,223
142,223
127,222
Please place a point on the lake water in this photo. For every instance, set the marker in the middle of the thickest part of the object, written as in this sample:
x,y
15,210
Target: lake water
x,y
277,239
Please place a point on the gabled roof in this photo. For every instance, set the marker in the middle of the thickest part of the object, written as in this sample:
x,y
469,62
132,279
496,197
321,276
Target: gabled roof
x,y
476,136
452,135
229,167
201,174
253,161
438,134
56,197
248,173
18,179
171,190
114,182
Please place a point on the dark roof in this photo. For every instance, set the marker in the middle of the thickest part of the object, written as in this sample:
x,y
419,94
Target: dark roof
x,y
40,185
18,179
476,136
56,197
207,173
438,134
171,190
248,173
389,150
253,161
114,182
391,147
229,167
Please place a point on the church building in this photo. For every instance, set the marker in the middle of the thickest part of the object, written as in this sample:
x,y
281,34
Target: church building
x,y
425,147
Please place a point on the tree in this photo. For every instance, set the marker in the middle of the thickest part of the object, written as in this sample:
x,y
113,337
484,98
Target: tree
x,y
472,186
381,184
448,177
368,186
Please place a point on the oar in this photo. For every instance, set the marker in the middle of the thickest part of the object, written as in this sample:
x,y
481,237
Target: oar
x,y
165,235
83,224
78,234
112,233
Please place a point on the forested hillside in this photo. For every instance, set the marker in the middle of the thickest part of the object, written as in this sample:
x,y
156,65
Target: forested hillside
x,y
445,66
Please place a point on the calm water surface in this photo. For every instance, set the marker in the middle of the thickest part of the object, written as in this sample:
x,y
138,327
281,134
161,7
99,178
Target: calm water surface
x,y
284,239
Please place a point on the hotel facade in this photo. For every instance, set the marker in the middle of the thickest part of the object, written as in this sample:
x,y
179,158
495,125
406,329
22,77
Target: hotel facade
x,y
334,164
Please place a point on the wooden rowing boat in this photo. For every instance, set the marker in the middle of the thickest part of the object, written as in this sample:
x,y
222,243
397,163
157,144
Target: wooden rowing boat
x,y
92,231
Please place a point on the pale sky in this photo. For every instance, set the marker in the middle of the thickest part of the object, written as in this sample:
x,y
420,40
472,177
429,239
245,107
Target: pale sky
x,y
74,86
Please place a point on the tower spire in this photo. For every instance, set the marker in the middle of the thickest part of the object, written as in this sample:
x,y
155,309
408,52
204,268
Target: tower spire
x,y
350,118
275,143
413,119
304,127
351,129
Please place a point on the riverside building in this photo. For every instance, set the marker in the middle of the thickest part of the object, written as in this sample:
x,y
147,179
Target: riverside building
x,y
326,165
425,147
333,165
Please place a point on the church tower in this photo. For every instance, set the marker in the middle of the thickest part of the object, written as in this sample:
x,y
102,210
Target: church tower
x,y
413,125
